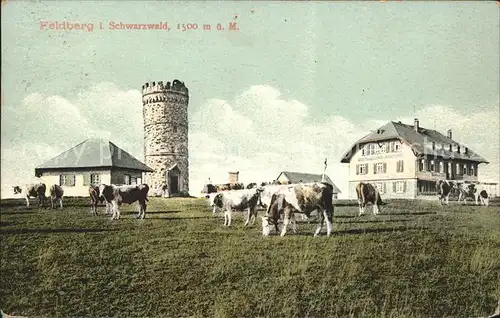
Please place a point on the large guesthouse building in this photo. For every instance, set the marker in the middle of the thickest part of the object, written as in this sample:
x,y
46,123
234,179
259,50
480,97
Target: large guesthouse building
x,y
405,161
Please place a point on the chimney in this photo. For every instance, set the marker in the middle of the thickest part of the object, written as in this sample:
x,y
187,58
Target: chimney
x,y
233,177
449,135
415,124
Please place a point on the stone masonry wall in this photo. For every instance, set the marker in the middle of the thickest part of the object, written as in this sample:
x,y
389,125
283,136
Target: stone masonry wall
x,y
166,131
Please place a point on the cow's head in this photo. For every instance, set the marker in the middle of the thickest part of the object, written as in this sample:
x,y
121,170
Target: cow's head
x,y
16,189
266,226
218,200
471,188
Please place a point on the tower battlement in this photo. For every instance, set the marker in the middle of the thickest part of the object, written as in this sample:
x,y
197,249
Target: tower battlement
x,y
159,87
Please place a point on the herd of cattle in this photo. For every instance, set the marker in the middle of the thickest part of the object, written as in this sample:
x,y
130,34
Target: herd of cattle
x,y
281,201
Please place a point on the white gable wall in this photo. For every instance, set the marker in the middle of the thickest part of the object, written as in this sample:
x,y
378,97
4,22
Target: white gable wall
x,y
386,180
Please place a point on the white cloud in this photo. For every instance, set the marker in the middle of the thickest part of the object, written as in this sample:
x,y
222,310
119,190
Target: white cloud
x,y
259,133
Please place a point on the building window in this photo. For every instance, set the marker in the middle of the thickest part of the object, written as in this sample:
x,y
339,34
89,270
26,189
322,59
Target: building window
x,y
67,180
380,187
362,169
421,165
126,179
383,148
399,186
95,179
464,169
474,170
432,166
400,166
380,167
363,151
397,146
175,129
457,168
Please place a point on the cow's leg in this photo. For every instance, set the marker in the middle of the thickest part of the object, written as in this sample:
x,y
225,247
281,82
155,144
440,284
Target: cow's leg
x,y
477,197
286,220
360,204
213,211
60,202
229,216
249,215
320,224
329,222
375,209
27,201
294,223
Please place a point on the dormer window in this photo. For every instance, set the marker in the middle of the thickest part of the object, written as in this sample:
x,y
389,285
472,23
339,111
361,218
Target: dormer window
x,y
458,149
450,147
466,150
433,145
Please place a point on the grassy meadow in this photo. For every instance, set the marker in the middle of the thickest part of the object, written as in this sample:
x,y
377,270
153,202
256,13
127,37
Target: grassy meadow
x,y
416,259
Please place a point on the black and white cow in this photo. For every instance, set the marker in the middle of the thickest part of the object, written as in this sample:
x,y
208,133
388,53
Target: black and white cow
x,y
32,190
367,193
56,194
476,191
117,195
238,200
444,188
301,198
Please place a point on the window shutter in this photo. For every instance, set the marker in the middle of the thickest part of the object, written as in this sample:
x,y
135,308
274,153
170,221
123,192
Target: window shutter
x,y
357,169
374,168
384,187
402,165
385,167
394,186
404,186
86,179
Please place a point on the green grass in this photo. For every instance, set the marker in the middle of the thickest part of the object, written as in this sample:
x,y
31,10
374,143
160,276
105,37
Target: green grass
x,y
415,260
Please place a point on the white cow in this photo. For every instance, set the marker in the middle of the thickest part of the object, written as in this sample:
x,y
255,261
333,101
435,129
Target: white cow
x,y
477,191
301,198
116,195
56,194
32,190
238,200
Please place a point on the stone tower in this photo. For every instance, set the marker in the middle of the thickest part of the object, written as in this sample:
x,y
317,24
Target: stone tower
x,y
165,112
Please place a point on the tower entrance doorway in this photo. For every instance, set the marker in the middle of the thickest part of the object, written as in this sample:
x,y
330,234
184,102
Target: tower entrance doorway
x,y
173,180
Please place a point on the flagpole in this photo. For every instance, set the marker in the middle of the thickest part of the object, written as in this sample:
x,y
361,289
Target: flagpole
x,y
324,172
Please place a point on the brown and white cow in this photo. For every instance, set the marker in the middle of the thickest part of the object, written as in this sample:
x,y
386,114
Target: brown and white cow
x,y
117,195
444,188
275,211
366,194
301,198
56,194
32,190
96,198
238,200
476,191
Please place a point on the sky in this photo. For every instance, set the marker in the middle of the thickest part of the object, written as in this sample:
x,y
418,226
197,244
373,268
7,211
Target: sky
x,y
296,83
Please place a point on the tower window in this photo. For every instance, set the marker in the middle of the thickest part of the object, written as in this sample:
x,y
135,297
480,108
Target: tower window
x,y
175,129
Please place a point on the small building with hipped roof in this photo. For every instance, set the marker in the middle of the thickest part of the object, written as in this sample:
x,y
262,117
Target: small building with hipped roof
x,y
291,177
91,162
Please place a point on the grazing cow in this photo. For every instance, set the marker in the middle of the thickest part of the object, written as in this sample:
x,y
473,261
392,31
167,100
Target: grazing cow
x,y
477,191
273,214
302,198
238,200
32,190
367,193
444,188
56,194
117,195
